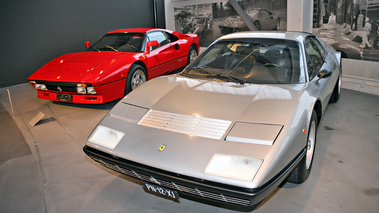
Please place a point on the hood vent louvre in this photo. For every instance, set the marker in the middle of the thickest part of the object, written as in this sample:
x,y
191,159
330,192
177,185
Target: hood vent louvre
x,y
192,125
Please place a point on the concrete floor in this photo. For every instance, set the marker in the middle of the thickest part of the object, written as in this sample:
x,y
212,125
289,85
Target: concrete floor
x,y
43,168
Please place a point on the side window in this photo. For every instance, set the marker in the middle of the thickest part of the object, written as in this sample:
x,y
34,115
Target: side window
x,y
314,57
158,36
171,37
264,14
319,46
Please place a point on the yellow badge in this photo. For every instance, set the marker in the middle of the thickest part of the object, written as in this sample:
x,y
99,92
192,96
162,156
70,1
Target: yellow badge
x,y
161,148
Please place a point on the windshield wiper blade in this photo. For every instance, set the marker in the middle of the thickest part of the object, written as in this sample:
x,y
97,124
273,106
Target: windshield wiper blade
x,y
219,76
94,48
112,48
231,78
203,70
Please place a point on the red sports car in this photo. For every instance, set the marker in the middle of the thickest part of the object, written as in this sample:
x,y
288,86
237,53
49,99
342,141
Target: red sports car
x,y
114,65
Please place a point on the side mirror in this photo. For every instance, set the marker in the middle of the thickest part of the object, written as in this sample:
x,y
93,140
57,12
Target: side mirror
x,y
150,44
324,74
88,44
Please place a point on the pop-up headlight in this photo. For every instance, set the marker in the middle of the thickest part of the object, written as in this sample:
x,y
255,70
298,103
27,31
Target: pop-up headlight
x,y
254,133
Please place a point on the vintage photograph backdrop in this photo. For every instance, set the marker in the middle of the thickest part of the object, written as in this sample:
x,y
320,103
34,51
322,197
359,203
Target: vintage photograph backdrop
x,y
214,19
350,26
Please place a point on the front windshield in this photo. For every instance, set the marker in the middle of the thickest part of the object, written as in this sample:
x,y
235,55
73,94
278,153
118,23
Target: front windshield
x,y
266,61
119,42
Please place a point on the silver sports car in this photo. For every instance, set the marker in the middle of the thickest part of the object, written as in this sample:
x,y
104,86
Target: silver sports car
x,y
234,124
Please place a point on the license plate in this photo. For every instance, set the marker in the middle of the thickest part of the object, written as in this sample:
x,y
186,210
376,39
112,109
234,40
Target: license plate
x,y
63,97
161,190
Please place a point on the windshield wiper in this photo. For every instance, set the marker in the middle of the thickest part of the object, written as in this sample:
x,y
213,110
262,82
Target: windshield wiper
x,y
110,47
94,48
231,78
202,70
219,76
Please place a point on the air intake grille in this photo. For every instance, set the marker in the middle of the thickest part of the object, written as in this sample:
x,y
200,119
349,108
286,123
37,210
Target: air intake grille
x,y
186,124
174,186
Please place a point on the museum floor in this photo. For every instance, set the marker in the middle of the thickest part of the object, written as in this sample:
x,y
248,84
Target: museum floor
x,y
43,167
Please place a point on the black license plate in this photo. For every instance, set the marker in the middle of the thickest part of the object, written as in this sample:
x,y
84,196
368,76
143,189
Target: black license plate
x,y
161,190
64,97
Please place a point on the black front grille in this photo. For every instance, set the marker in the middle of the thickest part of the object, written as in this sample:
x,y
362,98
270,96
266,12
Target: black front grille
x,y
60,86
175,186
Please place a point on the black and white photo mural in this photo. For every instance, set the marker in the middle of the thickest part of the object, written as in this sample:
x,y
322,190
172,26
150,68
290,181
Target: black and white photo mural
x,y
216,18
350,26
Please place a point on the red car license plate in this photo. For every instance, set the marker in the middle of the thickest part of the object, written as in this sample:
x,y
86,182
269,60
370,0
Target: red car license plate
x,y
161,190
64,97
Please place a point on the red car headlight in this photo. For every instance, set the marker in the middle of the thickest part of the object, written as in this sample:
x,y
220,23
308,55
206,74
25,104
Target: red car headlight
x,y
41,86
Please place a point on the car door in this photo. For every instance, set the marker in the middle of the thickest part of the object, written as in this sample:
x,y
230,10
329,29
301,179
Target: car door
x,y
160,58
315,57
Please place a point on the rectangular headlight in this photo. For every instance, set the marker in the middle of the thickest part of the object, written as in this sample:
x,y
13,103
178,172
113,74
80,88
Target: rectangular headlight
x,y
41,86
91,90
233,167
106,137
81,90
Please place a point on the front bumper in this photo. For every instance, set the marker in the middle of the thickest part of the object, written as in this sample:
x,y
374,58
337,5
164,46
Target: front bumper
x,y
75,98
221,195
105,92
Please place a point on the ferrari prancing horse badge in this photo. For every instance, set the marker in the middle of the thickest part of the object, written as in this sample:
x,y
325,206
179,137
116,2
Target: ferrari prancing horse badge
x,y
161,148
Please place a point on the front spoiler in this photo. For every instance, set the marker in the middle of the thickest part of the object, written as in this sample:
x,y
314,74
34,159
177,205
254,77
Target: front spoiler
x,y
217,194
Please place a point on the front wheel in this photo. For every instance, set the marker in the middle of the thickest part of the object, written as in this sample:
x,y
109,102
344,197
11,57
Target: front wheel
x,y
303,169
257,25
136,76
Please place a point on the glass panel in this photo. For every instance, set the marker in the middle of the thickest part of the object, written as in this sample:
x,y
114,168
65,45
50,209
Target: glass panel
x,y
119,42
250,61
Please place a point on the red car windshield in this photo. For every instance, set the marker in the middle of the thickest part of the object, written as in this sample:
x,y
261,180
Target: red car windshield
x,y
119,42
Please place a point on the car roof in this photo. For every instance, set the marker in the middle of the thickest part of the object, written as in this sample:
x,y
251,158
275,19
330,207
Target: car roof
x,y
288,35
135,30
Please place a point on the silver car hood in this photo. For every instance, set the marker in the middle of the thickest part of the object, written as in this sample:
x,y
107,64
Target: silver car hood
x,y
268,109
218,99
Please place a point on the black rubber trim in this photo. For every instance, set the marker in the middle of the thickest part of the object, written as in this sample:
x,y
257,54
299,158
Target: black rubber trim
x,y
255,195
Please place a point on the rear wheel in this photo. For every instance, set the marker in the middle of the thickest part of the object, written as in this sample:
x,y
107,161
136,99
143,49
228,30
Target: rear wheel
x,y
303,169
257,25
192,54
136,76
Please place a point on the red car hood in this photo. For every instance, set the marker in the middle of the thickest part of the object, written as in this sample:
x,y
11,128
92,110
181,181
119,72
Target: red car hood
x,y
88,67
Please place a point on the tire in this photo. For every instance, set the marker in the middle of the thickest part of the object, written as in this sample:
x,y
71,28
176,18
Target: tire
x,y
303,169
257,25
192,54
277,26
136,76
336,91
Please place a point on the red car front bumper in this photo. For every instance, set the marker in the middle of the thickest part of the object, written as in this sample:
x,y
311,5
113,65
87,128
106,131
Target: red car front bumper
x,y
104,93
